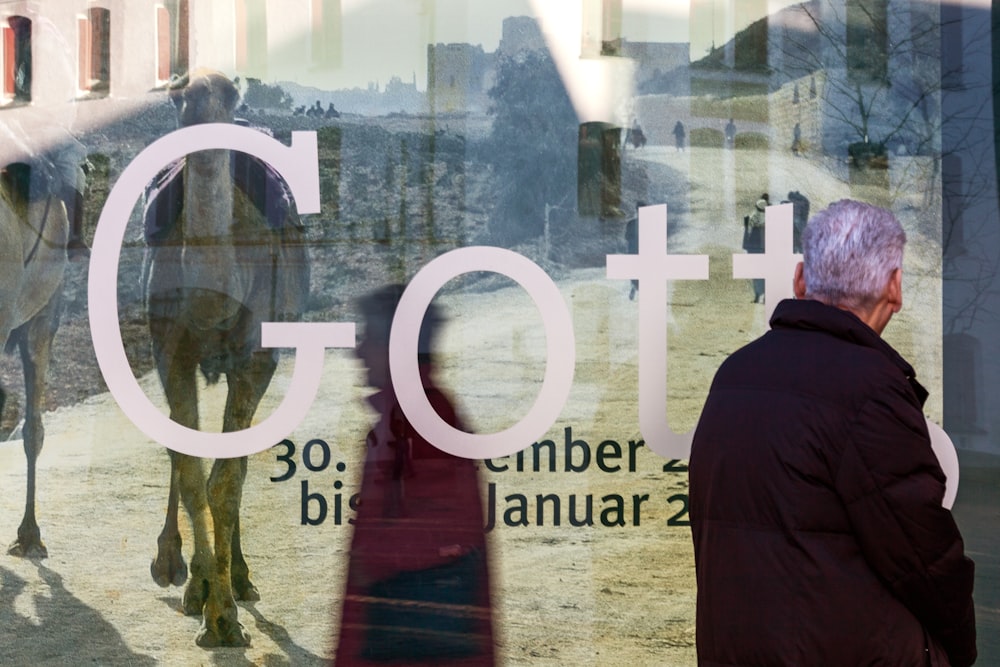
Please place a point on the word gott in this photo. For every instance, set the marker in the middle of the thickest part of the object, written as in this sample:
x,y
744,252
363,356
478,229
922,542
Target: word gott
x,y
653,266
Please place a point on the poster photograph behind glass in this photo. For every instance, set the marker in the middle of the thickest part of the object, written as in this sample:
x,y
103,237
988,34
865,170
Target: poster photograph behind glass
x,y
508,159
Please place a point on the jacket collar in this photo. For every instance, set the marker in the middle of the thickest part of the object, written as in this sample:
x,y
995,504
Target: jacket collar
x,y
810,315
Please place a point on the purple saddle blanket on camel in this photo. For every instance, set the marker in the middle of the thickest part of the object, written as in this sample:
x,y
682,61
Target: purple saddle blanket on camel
x,y
255,178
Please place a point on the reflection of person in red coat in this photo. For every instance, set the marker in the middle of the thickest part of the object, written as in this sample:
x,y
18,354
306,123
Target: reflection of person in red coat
x,y
417,588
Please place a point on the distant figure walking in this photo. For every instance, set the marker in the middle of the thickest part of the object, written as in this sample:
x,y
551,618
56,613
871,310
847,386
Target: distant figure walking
x,y
632,243
730,134
635,136
797,139
753,240
800,216
679,136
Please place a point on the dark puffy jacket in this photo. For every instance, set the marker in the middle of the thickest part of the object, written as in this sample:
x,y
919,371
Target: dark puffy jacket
x,y
819,534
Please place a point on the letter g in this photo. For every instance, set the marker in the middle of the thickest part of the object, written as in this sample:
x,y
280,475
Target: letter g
x,y
298,165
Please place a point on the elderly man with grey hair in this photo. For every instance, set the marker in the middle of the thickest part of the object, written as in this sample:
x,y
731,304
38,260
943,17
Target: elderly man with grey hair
x,y
815,498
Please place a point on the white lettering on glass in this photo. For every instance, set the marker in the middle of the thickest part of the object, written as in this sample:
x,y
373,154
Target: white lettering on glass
x,y
653,266
298,164
559,344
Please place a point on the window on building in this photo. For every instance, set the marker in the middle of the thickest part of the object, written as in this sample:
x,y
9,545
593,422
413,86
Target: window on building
x,y
954,203
599,181
171,40
326,33
952,42
963,363
611,28
17,59
15,180
251,37
602,28
94,35
866,39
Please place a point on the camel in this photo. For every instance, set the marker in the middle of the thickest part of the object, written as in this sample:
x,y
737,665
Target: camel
x,y
33,236
218,267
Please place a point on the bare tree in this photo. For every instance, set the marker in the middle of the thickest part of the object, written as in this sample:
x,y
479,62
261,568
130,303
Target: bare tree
x,y
882,66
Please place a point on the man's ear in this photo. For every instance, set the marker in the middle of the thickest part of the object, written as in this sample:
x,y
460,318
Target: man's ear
x,y
799,282
894,290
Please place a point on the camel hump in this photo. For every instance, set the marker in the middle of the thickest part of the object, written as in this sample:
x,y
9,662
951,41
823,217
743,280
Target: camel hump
x,y
256,179
262,185
164,201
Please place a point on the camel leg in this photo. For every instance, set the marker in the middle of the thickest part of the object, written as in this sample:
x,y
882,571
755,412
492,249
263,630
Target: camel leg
x,y
243,588
220,626
34,340
246,389
168,567
225,493
192,483
177,366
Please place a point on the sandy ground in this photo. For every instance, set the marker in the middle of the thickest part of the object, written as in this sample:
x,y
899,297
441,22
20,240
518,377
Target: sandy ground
x,y
562,592
591,595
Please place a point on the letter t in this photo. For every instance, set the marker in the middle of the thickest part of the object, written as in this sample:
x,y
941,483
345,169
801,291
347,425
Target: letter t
x,y
653,266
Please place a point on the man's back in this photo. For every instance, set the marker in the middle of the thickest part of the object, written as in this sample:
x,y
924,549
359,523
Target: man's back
x,y
815,505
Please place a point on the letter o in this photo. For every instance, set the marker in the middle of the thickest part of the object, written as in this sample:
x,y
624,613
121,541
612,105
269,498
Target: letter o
x,y
559,343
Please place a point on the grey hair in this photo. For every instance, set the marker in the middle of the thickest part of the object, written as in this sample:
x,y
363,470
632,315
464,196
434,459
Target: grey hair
x,y
849,251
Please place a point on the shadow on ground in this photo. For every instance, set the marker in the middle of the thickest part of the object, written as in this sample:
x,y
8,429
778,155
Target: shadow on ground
x,y
50,626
